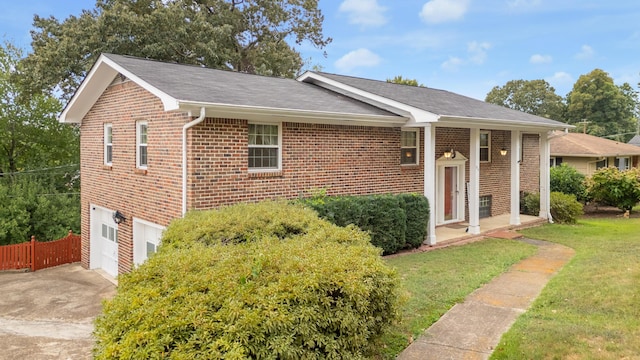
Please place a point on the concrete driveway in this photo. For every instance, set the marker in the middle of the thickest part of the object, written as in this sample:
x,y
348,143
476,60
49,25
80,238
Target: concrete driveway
x,y
48,314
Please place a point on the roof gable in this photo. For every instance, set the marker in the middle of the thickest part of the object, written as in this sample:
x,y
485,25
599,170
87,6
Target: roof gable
x,y
188,87
442,103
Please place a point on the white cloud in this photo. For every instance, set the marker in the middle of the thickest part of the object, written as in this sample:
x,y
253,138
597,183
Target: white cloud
x,y
452,64
439,11
560,78
478,51
364,12
586,52
357,58
540,59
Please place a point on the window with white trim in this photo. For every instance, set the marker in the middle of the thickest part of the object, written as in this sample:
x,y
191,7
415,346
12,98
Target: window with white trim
x,y
264,147
601,164
141,144
485,146
108,144
622,163
409,147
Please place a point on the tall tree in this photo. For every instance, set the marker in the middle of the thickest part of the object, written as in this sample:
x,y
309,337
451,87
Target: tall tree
x,y
404,81
535,97
30,134
606,108
243,35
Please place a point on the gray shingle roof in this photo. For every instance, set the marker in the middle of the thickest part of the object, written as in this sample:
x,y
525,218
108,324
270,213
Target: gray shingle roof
x,y
635,140
440,102
198,84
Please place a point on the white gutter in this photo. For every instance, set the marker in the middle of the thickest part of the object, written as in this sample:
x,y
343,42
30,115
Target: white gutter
x,y
193,123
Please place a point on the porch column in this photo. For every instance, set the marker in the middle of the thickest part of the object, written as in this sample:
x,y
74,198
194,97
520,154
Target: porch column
x,y
430,179
516,144
545,211
474,182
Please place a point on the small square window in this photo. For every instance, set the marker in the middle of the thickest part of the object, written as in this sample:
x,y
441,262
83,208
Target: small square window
x,y
409,147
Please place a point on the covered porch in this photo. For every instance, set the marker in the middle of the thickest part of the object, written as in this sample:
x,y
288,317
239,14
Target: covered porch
x,y
451,233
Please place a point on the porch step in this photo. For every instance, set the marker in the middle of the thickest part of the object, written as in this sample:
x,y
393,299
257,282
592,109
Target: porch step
x,y
504,234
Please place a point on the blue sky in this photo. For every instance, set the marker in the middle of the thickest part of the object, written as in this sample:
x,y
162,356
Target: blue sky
x,y
464,46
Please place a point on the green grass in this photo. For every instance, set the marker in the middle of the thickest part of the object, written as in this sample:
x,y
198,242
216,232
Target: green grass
x,y
432,282
591,309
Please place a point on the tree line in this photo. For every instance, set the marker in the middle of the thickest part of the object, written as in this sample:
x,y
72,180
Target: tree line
x,y
595,105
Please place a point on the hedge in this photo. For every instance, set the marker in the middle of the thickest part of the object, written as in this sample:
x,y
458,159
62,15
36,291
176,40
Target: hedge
x,y
313,290
565,209
394,221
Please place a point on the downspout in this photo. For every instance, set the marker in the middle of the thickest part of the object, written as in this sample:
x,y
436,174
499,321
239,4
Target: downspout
x,y
187,126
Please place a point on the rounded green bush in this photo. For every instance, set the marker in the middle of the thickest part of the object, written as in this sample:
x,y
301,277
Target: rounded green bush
x,y
566,179
322,293
565,209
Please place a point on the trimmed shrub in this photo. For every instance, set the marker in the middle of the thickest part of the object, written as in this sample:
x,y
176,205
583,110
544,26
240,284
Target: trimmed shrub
x,y
565,209
566,179
242,222
323,293
530,204
394,221
416,208
611,186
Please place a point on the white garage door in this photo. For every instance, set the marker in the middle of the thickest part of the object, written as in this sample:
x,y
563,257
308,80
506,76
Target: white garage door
x,y
146,238
104,244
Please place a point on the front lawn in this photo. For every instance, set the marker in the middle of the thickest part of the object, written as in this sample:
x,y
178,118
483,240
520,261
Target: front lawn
x,y
591,309
432,282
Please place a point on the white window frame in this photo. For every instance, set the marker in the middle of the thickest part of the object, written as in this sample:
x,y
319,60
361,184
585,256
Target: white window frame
x,y
488,147
416,147
108,144
627,160
140,144
278,147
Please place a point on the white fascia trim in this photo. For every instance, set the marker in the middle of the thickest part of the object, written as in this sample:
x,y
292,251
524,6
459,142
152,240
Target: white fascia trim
x,y
497,124
266,114
95,83
416,115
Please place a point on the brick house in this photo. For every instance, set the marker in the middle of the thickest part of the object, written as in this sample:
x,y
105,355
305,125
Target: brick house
x,y
588,153
158,139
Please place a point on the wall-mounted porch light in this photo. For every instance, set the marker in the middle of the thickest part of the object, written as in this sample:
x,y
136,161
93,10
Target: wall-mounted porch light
x,y
450,154
118,217
503,151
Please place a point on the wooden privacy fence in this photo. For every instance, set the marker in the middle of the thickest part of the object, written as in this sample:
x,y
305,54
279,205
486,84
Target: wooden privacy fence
x,y
36,255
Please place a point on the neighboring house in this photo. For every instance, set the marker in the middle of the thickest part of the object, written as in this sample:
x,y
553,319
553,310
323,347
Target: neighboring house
x,y
635,140
159,139
588,153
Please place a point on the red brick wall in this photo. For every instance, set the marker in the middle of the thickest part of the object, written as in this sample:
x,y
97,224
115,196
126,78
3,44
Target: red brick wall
x,y
153,196
530,165
341,159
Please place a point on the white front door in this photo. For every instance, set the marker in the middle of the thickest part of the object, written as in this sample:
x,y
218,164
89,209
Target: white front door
x,y
451,192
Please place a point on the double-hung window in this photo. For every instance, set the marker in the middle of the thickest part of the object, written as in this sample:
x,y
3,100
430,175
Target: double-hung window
x,y
141,144
409,147
264,147
485,146
108,144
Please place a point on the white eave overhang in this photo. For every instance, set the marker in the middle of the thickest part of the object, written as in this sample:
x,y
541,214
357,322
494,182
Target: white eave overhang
x,y
499,124
266,114
416,116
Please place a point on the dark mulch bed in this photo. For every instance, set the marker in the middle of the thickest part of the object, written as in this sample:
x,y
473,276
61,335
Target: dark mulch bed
x,y
603,211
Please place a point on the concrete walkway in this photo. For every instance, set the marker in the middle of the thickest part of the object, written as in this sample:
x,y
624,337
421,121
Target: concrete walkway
x,y
472,329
